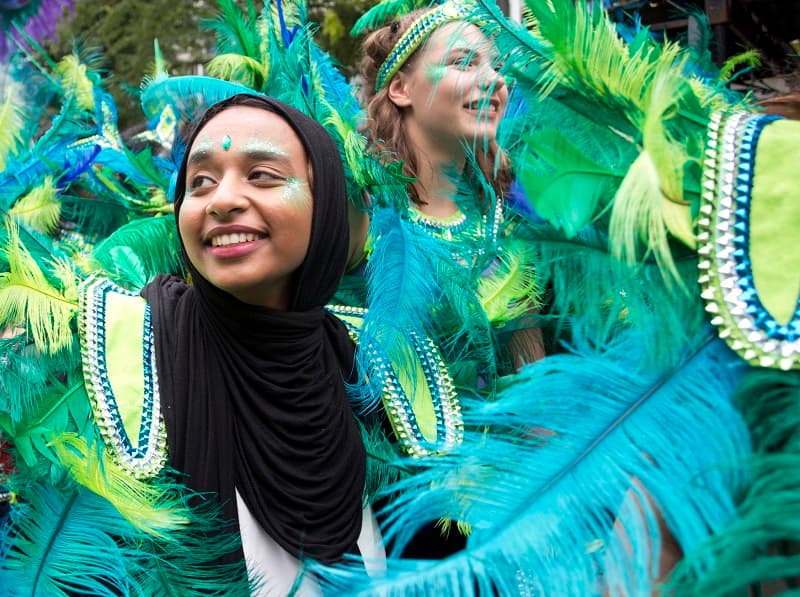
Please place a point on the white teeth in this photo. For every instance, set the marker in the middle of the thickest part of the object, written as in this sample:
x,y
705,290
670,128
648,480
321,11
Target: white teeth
x,y
223,240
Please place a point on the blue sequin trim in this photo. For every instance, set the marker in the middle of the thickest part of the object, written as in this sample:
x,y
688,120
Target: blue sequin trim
x,y
148,456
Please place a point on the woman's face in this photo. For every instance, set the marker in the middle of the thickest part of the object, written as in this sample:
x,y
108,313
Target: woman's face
x,y
246,217
451,90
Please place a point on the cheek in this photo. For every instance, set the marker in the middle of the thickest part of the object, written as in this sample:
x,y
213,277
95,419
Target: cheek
x,y
189,222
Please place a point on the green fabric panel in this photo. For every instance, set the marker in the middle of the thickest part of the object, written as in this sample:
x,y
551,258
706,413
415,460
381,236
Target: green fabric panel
x,y
124,333
415,385
774,218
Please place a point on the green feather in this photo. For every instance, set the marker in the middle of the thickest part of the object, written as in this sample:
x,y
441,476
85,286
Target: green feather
x,y
567,196
234,29
28,299
12,121
40,208
75,81
378,15
139,251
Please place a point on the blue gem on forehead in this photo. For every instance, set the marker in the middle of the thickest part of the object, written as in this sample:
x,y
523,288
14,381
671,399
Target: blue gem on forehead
x,y
226,142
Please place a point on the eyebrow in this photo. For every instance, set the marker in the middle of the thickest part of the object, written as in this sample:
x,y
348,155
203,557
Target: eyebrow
x,y
261,155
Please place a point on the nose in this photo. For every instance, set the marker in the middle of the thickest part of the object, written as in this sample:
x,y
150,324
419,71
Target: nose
x,y
491,79
227,199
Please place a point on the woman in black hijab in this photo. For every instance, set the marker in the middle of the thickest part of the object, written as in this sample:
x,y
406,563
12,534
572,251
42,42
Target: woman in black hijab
x,y
251,366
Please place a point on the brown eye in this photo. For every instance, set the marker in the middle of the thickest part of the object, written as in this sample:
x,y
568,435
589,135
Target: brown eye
x,y
264,176
199,181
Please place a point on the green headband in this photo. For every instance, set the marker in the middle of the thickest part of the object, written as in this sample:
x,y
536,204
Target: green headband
x,y
413,37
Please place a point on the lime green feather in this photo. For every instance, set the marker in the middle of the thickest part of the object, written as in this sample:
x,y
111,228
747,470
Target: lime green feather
x,y
28,299
12,121
637,220
750,58
512,291
139,502
75,81
40,208
239,69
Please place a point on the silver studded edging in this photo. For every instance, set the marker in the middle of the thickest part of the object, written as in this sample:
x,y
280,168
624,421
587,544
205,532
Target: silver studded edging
x,y
149,456
723,234
449,422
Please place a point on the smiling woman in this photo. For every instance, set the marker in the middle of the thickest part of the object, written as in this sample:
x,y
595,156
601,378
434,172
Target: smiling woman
x,y
446,258
246,216
225,393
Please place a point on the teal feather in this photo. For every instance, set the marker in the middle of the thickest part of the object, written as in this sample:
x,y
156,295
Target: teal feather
x,y
402,283
64,542
570,440
31,381
378,15
73,541
137,252
760,543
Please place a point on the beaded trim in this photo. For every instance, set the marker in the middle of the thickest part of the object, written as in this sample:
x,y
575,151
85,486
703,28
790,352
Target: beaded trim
x,y
725,268
413,37
149,455
449,422
487,228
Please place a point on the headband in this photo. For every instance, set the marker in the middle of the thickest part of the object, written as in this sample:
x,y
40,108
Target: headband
x,y
413,37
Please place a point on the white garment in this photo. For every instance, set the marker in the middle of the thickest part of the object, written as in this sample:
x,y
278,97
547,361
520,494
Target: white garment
x,y
277,572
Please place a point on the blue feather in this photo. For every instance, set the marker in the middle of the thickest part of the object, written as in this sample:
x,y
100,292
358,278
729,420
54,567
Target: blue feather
x,y
402,283
558,496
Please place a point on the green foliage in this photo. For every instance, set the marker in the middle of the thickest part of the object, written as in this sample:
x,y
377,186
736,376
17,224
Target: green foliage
x,y
336,18
125,30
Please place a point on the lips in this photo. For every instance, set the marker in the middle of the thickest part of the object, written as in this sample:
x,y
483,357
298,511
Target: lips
x,y
490,105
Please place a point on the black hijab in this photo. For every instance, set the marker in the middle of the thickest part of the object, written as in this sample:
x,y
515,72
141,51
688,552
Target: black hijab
x,y
254,398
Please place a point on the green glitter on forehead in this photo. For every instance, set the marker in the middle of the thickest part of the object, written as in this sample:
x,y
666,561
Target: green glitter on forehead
x,y
202,145
226,142
265,146
296,192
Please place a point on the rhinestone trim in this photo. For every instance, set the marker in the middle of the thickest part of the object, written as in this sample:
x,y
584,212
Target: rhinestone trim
x,y
725,268
447,409
149,455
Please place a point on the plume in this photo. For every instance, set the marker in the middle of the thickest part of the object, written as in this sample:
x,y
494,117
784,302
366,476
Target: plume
x,y
576,437
28,299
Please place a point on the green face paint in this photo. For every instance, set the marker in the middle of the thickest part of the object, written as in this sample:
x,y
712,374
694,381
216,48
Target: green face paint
x,y
435,72
296,193
263,146
226,142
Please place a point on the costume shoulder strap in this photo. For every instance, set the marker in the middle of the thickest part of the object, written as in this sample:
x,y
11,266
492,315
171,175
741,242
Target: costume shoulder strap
x,y
417,391
119,368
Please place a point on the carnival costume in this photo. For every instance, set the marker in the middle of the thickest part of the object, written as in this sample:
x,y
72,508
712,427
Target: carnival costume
x,y
667,285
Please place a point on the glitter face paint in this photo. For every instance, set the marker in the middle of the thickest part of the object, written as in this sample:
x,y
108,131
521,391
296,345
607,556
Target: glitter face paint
x,y
296,192
263,146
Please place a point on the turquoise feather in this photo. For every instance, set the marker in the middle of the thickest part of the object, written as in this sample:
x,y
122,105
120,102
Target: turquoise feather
x,y
542,492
